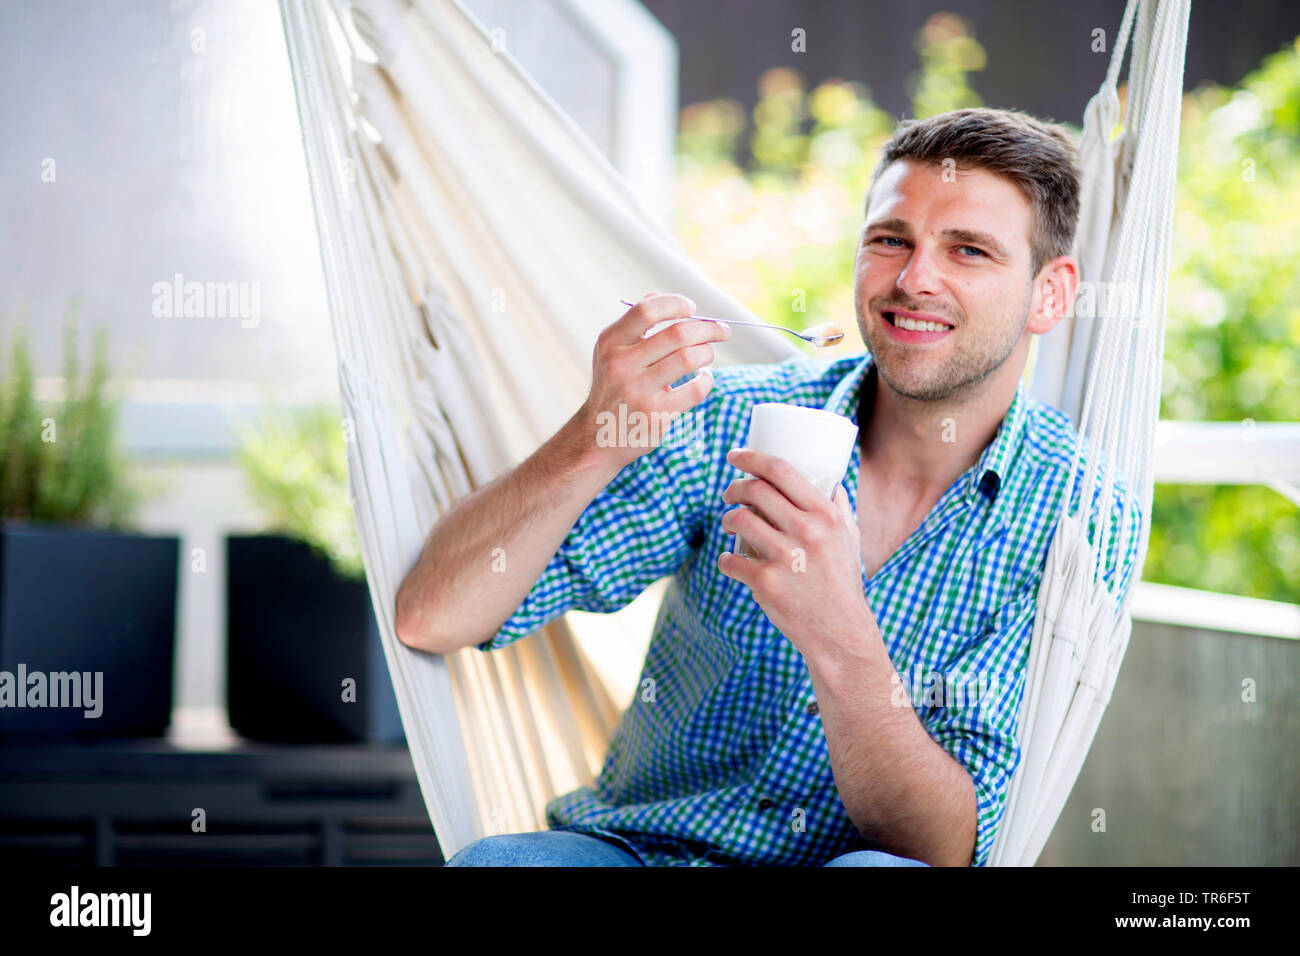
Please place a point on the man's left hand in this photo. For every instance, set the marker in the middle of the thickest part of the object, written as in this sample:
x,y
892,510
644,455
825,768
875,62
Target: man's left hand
x,y
808,577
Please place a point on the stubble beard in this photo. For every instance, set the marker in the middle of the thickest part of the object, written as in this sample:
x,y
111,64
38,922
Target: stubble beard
x,y
962,369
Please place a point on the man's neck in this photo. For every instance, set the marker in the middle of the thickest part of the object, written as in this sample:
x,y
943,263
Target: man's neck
x,y
923,446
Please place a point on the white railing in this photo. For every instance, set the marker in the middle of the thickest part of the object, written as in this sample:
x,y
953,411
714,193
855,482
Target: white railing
x,y
1212,611
1230,453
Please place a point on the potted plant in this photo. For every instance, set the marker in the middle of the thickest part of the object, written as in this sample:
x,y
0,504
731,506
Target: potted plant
x,y
304,658
87,605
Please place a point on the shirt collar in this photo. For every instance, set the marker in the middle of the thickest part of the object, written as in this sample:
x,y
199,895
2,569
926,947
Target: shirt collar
x,y
990,471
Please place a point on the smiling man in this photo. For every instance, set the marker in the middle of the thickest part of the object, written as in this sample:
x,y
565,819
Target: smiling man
x,y
850,696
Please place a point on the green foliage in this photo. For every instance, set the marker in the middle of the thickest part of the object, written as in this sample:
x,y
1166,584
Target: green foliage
x,y
948,52
58,459
781,236
297,473
1236,539
1232,350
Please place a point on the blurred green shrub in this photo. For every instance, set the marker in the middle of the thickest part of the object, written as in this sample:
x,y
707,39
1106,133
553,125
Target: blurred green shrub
x,y
59,462
296,468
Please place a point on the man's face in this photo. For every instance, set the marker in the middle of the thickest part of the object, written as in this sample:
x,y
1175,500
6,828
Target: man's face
x,y
952,249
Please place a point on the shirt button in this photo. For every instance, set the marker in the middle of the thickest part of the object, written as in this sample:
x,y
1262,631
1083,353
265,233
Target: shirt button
x,y
764,804
812,708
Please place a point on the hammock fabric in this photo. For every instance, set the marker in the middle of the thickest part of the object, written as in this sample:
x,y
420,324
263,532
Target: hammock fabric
x,y
474,242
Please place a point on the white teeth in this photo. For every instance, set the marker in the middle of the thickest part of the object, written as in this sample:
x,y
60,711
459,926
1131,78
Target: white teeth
x,y
916,325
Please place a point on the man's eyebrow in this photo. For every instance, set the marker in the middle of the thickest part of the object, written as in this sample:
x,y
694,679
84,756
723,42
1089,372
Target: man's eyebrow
x,y
971,236
892,225
977,239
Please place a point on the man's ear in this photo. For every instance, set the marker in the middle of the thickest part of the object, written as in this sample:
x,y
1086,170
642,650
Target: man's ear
x,y
1055,287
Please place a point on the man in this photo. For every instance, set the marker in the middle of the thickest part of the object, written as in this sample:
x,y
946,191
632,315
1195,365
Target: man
x,y
850,696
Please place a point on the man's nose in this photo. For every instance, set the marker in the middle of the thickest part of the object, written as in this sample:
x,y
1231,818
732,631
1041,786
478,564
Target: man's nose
x,y
922,274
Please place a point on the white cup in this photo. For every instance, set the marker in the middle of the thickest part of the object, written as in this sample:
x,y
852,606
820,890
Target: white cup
x,y
817,442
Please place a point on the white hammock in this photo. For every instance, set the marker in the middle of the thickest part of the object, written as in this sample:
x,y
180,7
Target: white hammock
x,y
474,243
1103,372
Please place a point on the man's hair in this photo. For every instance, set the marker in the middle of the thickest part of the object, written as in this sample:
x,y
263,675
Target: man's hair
x,y
1037,156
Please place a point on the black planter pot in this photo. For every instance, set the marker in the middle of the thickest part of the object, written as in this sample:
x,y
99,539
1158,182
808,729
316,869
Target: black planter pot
x,y
296,632
87,623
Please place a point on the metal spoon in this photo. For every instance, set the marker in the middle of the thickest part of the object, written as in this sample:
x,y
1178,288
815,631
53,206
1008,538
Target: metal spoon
x,y
823,336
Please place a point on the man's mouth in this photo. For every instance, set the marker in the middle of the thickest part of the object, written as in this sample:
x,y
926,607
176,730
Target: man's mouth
x,y
913,327
916,322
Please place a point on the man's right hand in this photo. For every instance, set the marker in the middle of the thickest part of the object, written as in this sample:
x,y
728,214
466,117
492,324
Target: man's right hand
x,y
632,376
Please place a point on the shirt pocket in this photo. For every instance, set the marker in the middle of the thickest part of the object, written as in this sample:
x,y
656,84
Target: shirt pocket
x,y
977,666
938,672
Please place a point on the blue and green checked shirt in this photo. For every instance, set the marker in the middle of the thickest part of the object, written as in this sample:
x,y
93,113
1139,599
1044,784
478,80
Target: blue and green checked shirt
x,y
721,758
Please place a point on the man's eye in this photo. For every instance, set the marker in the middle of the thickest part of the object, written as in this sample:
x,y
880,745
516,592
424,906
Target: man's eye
x,y
976,250
889,239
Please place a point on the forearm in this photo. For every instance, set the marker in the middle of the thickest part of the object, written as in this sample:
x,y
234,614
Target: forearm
x,y
903,791
483,557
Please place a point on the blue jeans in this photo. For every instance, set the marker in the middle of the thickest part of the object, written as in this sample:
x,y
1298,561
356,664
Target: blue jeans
x,y
569,848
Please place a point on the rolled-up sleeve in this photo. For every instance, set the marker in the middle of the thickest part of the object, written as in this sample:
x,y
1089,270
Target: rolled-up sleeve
x,y
639,528
977,720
